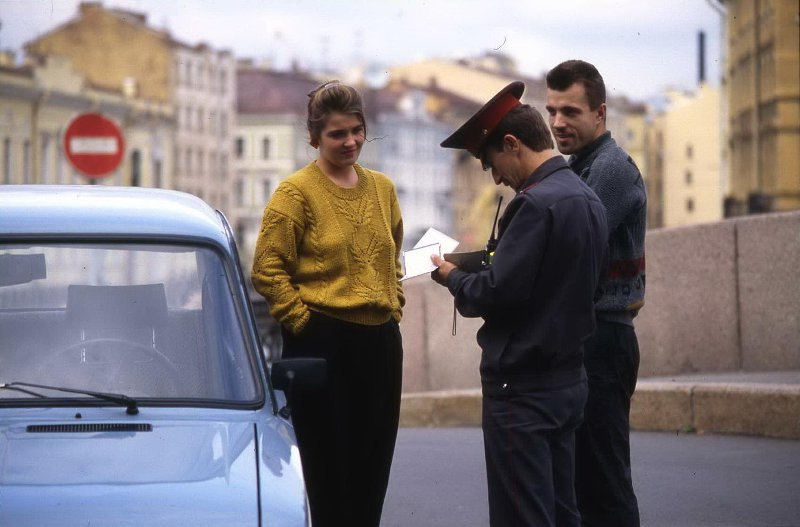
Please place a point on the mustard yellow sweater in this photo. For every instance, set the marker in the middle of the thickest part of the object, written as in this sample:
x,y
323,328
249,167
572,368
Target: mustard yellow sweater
x,y
330,249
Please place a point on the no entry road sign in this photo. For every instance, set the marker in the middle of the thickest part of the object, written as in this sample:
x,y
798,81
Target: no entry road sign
x,y
93,145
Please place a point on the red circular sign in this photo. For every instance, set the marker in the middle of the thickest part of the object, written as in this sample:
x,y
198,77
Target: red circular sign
x,y
93,145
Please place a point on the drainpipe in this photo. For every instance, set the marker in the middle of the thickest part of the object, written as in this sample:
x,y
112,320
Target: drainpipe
x,y
756,123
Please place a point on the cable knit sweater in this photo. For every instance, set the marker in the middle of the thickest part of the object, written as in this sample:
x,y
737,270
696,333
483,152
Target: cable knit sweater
x,y
616,180
330,249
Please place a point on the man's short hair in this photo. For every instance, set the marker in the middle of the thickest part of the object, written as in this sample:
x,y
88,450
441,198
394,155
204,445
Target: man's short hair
x,y
526,124
569,72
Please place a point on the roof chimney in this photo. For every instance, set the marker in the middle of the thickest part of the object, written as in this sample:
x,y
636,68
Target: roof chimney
x,y
701,57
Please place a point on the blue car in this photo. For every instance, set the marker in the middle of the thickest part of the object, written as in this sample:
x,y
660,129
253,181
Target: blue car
x,y
133,390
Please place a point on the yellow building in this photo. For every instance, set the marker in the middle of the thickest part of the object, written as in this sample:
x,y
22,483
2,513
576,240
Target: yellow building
x,y
683,180
763,81
116,49
38,101
112,49
627,121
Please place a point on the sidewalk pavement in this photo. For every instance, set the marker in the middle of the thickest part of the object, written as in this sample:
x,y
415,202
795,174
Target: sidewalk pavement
x,y
763,404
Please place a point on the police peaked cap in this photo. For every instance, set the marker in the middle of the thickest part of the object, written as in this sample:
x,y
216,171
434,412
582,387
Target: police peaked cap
x,y
472,134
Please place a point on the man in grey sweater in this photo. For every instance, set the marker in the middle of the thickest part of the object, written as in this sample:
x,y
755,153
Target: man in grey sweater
x,y
577,110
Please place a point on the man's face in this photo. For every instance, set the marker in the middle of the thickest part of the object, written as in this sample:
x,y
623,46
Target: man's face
x,y
573,123
501,163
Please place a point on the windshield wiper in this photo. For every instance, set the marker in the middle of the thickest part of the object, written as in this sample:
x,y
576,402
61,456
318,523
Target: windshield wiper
x,y
131,406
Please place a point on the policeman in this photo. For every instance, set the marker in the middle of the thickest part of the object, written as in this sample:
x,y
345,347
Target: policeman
x,y
536,300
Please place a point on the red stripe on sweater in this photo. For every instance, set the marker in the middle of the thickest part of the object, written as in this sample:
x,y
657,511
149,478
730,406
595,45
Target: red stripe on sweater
x,y
625,268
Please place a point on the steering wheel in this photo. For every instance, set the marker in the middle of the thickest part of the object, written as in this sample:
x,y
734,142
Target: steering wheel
x,y
106,371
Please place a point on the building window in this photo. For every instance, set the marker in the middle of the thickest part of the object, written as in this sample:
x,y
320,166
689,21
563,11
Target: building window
x,y
26,162
157,173
241,232
689,152
7,161
188,167
267,189
265,143
223,123
200,119
688,177
239,148
689,205
136,168
239,190
201,169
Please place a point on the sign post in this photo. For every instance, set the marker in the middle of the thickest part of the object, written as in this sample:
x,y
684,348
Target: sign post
x,y
93,145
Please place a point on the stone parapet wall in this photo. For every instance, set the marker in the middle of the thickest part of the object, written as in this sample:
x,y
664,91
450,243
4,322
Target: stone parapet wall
x,y
720,297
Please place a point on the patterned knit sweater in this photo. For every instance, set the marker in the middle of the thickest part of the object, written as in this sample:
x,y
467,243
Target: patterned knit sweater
x,y
616,180
330,249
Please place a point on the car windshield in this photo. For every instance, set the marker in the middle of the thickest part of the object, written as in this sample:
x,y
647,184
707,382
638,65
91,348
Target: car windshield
x,y
151,321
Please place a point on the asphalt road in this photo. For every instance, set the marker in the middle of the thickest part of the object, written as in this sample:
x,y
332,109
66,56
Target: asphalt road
x,y
438,480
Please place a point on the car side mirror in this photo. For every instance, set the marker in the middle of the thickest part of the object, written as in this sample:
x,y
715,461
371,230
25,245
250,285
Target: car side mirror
x,y
294,375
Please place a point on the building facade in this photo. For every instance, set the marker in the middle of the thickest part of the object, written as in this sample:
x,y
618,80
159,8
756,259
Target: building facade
x,y
204,96
684,181
404,144
270,143
116,49
40,99
763,82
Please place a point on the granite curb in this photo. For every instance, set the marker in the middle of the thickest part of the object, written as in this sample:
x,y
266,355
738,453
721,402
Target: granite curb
x,y
701,404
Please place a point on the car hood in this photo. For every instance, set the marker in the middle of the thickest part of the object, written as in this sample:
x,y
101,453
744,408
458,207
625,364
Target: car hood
x,y
180,472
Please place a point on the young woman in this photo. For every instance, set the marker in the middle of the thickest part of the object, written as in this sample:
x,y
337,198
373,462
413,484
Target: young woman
x,y
327,261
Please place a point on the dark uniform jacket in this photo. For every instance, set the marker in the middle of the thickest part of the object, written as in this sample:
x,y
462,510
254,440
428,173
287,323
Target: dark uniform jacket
x,y
537,296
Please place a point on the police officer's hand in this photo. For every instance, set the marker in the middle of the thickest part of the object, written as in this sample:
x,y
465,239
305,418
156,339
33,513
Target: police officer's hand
x,y
440,275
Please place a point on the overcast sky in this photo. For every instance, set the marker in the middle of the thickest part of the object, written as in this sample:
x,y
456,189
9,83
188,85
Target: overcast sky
x,y
641,47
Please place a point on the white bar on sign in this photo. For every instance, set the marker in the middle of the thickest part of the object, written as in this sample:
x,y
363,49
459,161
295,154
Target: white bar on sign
x,y
93,145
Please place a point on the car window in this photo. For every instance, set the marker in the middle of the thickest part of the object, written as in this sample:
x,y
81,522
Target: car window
x,y
146,320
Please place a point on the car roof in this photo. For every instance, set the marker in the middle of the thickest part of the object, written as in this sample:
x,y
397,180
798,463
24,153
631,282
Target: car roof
x,y
106,211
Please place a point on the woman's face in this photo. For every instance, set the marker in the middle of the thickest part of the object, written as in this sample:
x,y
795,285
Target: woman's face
x,y
341,139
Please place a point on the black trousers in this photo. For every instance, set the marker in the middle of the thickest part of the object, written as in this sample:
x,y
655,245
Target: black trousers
x,y
529,442
346,432
604,484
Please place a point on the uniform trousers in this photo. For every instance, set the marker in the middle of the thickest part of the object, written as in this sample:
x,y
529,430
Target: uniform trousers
x,y
529,443
603,455
346,432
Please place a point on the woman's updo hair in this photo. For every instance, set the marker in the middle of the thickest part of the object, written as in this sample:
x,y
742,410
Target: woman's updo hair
x,y
331,97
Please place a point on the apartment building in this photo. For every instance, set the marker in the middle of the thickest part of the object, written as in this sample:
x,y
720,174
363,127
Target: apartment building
x,y
762,77
684,181
270,142
115,49
38,101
